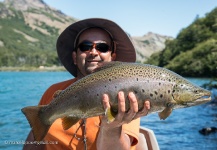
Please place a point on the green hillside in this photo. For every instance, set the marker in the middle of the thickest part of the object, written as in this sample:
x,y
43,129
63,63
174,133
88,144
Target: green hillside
x,y
194,51
23,46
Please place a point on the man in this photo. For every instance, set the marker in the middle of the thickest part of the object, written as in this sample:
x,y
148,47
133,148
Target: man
x,y
80,48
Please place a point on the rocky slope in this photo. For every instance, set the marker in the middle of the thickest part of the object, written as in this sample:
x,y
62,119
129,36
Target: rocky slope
x,y
148,44
36,12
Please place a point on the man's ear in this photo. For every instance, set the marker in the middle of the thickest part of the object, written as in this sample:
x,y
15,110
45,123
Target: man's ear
x,y
74,56
113,56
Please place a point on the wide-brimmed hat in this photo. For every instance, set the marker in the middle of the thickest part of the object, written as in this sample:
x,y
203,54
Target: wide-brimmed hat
x,y
125,50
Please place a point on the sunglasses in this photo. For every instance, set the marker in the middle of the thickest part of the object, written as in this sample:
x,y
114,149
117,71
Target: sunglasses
x,y
87,46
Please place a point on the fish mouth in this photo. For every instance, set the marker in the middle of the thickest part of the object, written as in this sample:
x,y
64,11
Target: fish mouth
x,y
201,100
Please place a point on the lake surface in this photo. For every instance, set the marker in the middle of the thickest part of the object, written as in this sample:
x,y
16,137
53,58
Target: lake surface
x,y
178,132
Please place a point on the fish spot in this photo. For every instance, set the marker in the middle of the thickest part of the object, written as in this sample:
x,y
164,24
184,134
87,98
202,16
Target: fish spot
x,y
110,80
155,92
143,90
151,95
161,95
159,83
168,91
137,79
135,92
97,94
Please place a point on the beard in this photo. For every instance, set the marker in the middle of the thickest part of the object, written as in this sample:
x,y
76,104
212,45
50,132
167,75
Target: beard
x,y
90,67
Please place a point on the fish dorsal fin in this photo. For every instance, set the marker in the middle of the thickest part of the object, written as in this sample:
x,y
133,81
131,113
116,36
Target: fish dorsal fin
x,y
69,121
105,65
57,93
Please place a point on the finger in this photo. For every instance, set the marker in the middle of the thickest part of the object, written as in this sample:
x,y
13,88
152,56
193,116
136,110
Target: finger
x,y
106,105
145,110
105,100
121,106
133,102
147,105
133,108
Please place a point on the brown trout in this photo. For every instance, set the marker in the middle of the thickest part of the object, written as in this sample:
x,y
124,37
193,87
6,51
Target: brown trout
x,y
164,89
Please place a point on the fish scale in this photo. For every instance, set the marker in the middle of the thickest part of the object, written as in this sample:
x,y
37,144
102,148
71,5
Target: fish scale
x,y
164,89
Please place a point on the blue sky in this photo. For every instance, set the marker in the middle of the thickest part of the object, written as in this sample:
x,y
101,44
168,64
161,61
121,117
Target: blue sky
x,y
137,17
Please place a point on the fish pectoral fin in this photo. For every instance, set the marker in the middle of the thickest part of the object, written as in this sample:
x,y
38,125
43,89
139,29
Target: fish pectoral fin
x,y
57,93
68,121
165,113
110,115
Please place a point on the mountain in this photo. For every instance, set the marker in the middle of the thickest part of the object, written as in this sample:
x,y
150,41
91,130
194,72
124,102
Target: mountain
x,y
36,13
28,33
148,44
29,29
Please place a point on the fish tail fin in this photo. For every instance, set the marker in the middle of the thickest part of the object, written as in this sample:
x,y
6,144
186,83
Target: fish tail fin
x,y
39,128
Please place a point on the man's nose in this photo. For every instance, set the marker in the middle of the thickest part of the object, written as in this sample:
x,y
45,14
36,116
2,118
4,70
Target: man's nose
x,y
93,51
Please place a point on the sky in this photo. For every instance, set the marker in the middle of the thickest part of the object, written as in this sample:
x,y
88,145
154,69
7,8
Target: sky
x,y
138,17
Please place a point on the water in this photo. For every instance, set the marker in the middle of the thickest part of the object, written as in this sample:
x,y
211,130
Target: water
x,y
179,131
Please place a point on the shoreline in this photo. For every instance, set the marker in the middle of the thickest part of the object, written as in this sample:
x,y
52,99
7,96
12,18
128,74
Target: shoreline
x,y
32,69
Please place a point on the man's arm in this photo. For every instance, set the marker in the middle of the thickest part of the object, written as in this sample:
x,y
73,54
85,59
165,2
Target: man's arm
x,y
111,135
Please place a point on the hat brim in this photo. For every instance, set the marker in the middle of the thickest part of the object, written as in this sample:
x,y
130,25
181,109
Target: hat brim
x,y
125,50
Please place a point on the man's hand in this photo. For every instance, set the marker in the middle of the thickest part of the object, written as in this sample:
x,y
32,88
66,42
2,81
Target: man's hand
x,y
122,117
111,135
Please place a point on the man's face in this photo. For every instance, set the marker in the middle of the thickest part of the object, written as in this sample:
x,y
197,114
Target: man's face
x,y
87,61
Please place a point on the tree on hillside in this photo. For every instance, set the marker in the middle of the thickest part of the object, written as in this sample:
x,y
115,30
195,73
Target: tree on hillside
x,y
193,52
